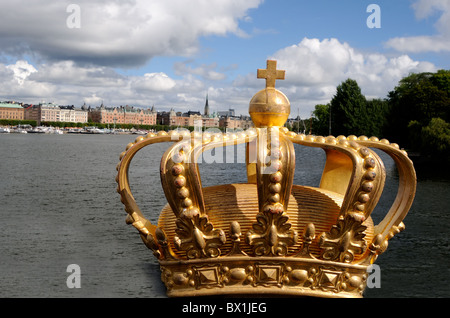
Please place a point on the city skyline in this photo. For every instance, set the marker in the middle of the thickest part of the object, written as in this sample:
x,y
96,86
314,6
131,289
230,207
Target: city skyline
x,y
171,55
84,106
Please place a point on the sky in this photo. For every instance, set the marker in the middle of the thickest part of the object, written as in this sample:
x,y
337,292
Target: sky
x,y
172,53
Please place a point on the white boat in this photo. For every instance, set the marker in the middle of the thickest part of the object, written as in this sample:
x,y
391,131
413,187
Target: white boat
x,y
22,129
97,131
37,130
139,132
56,131
4,130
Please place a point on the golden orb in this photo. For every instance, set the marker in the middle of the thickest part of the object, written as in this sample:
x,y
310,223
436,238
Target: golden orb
x,y
269,107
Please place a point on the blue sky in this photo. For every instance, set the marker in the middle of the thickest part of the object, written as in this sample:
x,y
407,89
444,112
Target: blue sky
x,y
278,24
171,53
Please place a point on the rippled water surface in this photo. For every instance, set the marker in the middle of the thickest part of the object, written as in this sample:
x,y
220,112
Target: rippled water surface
x,y
59,206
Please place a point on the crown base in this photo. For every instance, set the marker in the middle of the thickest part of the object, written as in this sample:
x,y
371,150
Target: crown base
x,y
263,277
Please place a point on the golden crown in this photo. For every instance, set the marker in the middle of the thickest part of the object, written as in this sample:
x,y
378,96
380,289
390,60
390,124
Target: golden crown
x,y
269,236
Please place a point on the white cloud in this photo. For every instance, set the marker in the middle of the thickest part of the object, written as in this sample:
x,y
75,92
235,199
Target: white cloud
x,y
68,83
15,79
207,72
315,68
419,44
437,43
119,33
69,73
22,69
153,82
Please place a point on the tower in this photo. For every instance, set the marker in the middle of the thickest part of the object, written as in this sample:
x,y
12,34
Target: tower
x,y
206,113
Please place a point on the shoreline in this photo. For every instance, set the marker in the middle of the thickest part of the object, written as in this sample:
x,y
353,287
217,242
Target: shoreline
x,y
71,131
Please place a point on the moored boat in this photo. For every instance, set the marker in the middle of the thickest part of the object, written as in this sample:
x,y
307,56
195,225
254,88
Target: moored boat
x,y
37,130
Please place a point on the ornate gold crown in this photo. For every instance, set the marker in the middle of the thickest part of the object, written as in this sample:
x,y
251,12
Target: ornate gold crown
x,y
269,236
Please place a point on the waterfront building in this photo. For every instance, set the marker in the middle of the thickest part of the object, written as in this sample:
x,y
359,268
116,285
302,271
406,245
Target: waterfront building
x,y
11,110
221,119
70,114
50,112
150,117
188,119
123,115
170,118
233,122
211,122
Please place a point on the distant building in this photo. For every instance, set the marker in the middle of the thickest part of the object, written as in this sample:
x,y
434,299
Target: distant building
x,y
211,122
54,113
168,118
123,115
228,113
232,123
70,114
221,119
49,112
33,112
190,118
11,110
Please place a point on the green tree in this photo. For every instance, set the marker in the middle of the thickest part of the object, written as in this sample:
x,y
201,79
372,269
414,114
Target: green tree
x,y
442,81
351,113
321,120
419,98
348,110
376,117
436,138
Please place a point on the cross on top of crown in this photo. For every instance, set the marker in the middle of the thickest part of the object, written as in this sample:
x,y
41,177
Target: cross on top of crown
x,y
271,74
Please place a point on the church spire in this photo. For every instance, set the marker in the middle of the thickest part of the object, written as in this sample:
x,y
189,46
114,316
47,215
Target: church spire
x,y
206,106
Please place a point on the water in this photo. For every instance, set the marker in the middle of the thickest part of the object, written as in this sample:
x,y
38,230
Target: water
x,y
59,206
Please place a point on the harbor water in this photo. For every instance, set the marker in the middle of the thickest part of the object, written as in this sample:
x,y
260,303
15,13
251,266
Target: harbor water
x,y
59,206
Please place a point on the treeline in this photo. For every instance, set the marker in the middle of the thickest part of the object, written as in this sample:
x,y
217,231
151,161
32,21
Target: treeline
x,y
416,114
15,122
